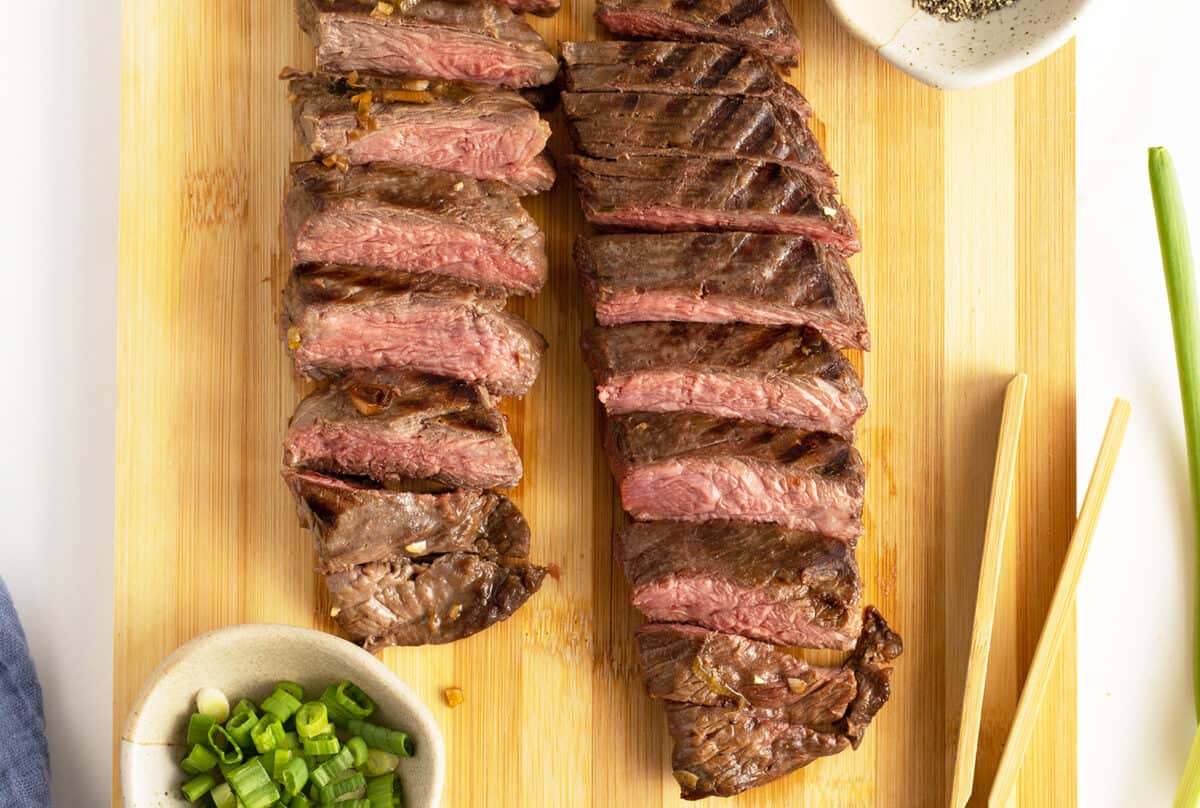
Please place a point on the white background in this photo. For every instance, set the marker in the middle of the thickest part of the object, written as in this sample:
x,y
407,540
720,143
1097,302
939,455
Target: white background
x,y
1139,85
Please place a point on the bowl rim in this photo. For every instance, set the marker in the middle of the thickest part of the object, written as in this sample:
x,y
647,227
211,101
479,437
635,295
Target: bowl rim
x,y
968,76
336,646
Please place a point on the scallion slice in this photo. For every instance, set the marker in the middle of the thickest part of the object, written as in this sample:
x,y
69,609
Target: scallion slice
x,y
352,701
377,737
281,704
279,760
213,703
358,748
381,790
221,742
380,762
294,776
323,775
360,803
239,727
253,785
291,687
300,801
312,720
245,706
196,788
267,734
198,727
344,785
223,796
321,746
200,760
290,741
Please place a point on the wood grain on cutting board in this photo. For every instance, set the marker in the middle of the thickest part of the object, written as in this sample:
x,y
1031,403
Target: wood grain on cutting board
x,y
966,204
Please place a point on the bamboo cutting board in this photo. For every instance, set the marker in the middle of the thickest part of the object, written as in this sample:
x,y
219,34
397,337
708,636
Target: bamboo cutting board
x,y
966,202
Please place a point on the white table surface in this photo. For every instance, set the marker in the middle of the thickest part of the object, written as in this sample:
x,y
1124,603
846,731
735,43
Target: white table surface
x,y
1138,73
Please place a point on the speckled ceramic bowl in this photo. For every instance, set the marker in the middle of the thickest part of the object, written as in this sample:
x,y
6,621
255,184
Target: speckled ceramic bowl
x,y
245,661
969,53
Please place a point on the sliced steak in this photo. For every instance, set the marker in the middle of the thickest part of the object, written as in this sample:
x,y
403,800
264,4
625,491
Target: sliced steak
x,y
377,321
694,468
439,598
722,278
670,194
619,125
781,375
676,68
760,25
415,220
401,426
697,666
461,41
761,581
357,523
486,135
724,750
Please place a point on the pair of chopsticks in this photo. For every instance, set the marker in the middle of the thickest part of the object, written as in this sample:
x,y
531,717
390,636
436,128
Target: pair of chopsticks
x,y
1040,670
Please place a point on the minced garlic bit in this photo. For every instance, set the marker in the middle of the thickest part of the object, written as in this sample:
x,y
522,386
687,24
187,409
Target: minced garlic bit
x,y
797,685
455,611
337,160
417,547
335,611
406,96
830,212
383,9
685,778
417,85
453,696
458,186
293,337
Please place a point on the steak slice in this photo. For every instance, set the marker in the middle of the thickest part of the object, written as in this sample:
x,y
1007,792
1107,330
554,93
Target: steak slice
x,y
694,468
677,68
441,597
401,426
780,375
486,135
722,278
697,666
368,320
461,41
670,194
618,125
415,220
355,523
760,25
760,581
724,750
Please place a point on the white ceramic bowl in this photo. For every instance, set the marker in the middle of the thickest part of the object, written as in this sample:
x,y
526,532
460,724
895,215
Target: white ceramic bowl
x,y
968,53
245,661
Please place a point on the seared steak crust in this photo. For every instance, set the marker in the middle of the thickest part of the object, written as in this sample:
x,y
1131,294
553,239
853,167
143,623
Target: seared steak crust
x,y
339,320
760,581
722,278
761,25
401,426
676,68
723,750
672,194
447,127
779,375
356,523
477,42
415,220
619,125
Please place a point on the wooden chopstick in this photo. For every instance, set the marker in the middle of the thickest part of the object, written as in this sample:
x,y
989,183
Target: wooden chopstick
x,y
1004,477
1060,608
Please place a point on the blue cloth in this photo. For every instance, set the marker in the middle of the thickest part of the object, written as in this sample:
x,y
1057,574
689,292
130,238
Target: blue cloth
x,y
24,757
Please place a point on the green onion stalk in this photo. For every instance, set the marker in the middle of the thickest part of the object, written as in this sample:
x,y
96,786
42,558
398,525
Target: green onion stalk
x,y
1185,323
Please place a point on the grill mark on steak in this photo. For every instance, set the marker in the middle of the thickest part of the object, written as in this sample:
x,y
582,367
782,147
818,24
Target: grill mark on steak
x,y
780,375
724,750
760,581
355,523
694,468
761,25
478,42
415,220
672,194
407,325
487,135
398,426
677,68
618,125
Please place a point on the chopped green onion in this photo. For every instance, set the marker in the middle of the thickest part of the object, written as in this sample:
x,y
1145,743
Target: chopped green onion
x,y
199,761
294,689
253,785
223,796
312,720
221,742
240,726
213,703
245,706
348,701
343,786
358,748
197,788
324,774
278,759
290,741
380,762
198,727
294,776
383,790
377,737
267,734
349,804
300,801
321,746
281,704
